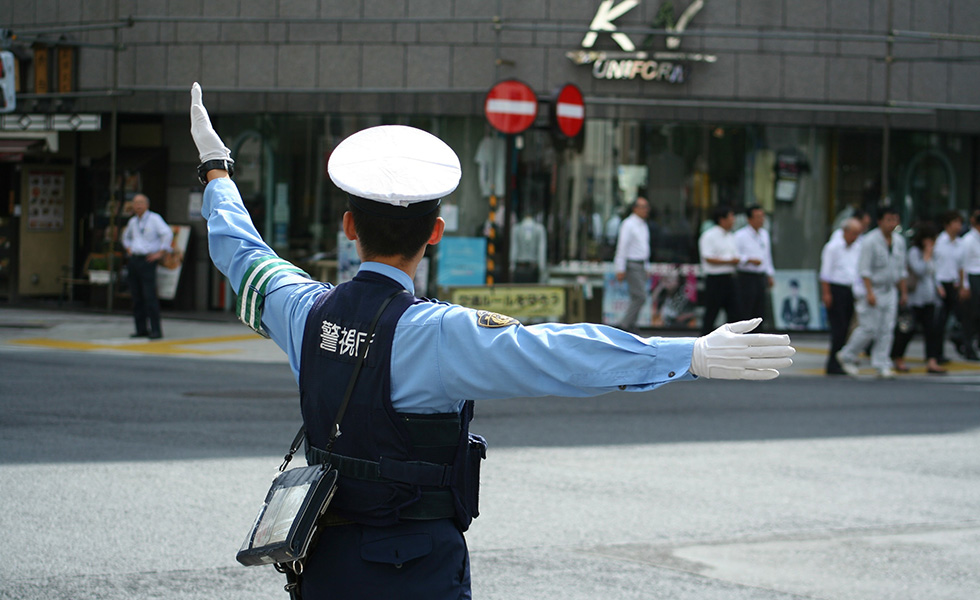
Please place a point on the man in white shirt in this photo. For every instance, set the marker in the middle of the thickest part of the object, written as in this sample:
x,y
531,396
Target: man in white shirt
x,y
755,269
838,272
147,239
949,274
631,260
970,292
719,257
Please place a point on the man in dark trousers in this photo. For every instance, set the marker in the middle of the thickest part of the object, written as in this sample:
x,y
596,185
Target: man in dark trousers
x,y
838,274
719,257
393,530
147,240
755,268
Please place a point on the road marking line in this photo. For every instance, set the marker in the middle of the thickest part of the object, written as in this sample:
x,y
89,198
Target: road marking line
x,y
169,347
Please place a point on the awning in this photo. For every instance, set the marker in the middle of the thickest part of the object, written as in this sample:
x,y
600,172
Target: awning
x,y
15,144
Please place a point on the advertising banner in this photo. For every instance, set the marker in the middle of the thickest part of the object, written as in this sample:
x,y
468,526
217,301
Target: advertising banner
x,y
462,261
168,271
796,301
671,302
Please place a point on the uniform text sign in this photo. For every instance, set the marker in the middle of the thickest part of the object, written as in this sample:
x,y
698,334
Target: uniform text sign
x,y
520,302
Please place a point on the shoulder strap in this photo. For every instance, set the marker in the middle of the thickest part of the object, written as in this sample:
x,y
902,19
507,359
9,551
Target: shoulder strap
x,y
335,430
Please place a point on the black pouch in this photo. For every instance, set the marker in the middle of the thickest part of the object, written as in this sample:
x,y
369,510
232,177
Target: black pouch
x,y
469,487
286,525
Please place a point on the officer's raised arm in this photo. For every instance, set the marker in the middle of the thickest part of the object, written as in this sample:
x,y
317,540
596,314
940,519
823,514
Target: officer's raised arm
x,y
258,275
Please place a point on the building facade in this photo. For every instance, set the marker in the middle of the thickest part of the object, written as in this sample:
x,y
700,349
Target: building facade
x,y
808,108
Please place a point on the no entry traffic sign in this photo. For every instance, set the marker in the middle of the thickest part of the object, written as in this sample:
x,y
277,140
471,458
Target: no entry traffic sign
x,y
511,106
570,110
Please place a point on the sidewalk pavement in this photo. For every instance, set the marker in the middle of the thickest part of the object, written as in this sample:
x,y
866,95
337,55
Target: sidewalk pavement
x,y
215,336
219,336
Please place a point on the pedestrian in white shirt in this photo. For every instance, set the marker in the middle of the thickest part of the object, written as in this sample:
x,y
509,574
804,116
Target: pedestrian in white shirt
x,y
719,257
838,272
147,240
970,292
949,274
755,270
632,258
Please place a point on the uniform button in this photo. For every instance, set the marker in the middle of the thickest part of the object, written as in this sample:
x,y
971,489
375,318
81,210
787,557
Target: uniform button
x,y
671,374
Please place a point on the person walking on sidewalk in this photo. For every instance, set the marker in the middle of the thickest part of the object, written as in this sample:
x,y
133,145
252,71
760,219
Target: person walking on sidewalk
x,y
719,256
632,259
923,303
755,269
882,270
838,272
970,292
949,275
147,240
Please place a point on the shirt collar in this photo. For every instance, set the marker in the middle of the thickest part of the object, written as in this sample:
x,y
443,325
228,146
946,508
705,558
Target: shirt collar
x,y
390,272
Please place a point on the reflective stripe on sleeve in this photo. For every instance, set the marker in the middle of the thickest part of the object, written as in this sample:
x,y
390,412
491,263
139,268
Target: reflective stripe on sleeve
x,y
248,306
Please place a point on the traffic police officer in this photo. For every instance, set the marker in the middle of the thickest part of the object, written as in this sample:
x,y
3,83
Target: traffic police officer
x,y
395,532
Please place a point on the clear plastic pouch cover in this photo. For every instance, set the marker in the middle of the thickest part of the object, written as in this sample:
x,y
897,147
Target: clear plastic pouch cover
x,y
286,520
278,514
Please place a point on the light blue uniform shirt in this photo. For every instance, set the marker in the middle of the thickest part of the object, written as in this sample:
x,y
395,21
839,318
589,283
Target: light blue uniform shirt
x,y
441,356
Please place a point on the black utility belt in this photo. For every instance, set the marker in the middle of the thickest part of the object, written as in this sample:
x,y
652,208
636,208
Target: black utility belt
x,y
434,504
430,507
386,470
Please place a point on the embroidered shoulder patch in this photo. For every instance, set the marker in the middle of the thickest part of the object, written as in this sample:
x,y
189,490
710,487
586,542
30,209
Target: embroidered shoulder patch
x,y
493,320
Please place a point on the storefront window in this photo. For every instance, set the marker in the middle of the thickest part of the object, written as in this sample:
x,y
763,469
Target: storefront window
x,y
932,174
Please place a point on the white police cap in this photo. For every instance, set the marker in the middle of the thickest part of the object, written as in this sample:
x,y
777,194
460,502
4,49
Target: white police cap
x,y
395,166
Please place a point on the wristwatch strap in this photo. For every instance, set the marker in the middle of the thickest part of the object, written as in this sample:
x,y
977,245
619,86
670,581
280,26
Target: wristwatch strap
x,y
226,164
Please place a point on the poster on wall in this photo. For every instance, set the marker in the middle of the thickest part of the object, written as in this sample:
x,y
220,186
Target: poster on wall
x,y
168,271
348,262
462,261
796,300
671,301
46,204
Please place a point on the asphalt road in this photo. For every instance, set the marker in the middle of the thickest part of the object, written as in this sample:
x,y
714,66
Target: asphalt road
x,y
128,476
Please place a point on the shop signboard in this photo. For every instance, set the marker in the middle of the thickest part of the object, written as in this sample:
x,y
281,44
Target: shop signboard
x,y
511,106
522,302
671,65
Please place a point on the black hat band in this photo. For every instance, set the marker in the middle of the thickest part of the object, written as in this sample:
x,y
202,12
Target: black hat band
x,y
383,209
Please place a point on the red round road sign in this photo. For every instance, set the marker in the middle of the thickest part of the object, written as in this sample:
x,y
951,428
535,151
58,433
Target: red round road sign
x,y
570,110
511,106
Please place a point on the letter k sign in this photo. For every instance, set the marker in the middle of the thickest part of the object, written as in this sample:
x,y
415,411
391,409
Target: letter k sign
x,y
603,21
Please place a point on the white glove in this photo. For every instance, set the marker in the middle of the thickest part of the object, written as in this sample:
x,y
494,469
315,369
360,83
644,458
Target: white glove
x,y
209,145
730,353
